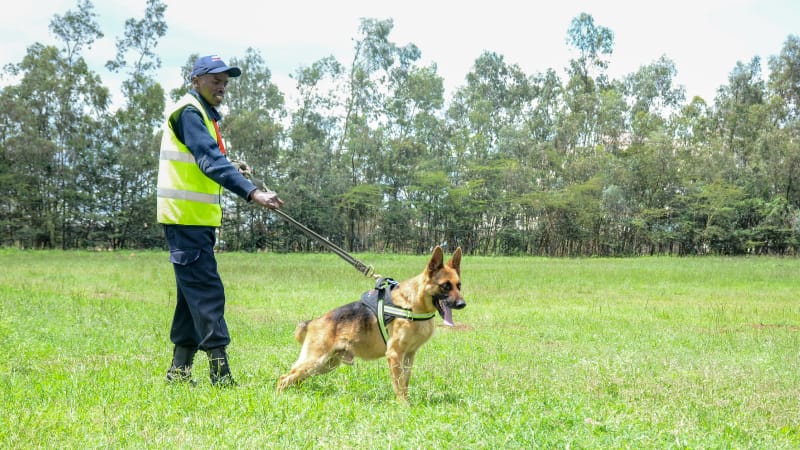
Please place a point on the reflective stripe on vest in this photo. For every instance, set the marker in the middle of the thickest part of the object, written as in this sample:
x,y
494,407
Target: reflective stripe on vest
x,y
188,195
171,155
185,195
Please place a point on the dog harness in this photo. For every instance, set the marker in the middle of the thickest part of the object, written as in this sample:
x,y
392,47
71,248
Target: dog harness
x,y
379,301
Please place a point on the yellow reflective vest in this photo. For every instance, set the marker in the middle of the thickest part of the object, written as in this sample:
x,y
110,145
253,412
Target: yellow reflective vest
x,y
186,196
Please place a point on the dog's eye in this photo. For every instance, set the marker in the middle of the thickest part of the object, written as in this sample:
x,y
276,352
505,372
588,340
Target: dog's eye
x,y
459,285
446,287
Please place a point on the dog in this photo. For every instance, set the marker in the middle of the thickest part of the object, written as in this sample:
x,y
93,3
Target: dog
x,y
354,330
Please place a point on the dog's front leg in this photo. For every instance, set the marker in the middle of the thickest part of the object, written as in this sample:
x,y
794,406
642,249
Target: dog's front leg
x,y
408,362
399,378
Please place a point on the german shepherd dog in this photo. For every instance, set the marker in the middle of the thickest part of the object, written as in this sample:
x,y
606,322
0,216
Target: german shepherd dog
x,y
353,330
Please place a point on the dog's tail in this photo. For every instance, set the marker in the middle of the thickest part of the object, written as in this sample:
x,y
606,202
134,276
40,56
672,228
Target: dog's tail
x,y
300,331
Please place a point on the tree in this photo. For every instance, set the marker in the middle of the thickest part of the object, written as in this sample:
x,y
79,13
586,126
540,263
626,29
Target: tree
x,y
490,113
313,180
783,141
254,132
378,66
417,141
57,110
130,161
741,113
784,78
653,98
586,78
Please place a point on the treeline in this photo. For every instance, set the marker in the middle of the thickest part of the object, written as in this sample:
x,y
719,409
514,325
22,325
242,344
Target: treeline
x,y
373,156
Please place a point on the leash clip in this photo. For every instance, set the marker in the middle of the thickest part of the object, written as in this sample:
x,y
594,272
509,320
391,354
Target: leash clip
x,y
369,272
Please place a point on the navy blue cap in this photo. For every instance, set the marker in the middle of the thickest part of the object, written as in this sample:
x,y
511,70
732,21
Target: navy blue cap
x,y
213,64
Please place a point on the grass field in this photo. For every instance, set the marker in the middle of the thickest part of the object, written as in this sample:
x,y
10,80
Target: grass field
x,y
550,353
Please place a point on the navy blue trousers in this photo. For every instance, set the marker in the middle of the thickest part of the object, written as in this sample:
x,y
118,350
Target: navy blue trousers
x,y
199,320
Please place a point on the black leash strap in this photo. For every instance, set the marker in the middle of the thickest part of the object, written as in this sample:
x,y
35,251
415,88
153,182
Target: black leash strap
x,y
367,271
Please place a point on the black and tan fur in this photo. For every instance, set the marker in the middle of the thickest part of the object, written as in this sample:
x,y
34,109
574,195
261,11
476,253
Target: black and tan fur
x,y
352,330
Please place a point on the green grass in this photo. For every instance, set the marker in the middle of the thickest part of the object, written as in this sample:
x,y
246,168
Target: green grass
x,y
553,353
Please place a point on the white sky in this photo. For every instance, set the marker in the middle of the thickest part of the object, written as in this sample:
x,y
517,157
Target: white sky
x,y
705,38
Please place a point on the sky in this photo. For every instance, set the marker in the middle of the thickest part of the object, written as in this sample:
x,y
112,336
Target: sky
x,y
704,38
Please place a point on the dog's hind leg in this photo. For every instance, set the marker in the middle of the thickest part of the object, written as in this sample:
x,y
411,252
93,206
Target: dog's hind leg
x,y
308,367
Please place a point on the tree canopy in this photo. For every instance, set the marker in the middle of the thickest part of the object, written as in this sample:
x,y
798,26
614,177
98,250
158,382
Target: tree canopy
x,y
375,157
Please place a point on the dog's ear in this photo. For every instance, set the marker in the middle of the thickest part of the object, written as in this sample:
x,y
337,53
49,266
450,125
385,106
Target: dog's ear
x,y
455,261
437,260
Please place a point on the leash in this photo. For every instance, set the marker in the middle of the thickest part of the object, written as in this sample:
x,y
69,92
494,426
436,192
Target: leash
x,y
367,271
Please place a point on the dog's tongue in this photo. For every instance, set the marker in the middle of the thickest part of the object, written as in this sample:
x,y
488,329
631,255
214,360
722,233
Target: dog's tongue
x,y
448,315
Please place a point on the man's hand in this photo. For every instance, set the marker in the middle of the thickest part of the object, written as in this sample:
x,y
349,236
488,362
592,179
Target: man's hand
x,y
267,199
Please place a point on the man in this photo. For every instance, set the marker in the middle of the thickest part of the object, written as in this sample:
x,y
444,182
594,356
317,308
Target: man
x,y
192,172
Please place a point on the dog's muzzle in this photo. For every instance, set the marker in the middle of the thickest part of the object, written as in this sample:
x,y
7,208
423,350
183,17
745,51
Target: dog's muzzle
x,y
446,305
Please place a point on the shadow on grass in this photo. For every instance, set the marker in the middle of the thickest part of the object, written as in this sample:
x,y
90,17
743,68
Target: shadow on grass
x,y
374,392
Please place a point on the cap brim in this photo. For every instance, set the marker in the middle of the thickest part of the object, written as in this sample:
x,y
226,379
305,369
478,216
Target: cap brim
x,y
232,72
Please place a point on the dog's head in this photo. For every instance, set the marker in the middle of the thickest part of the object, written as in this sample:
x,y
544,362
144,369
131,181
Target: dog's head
x,y
444,283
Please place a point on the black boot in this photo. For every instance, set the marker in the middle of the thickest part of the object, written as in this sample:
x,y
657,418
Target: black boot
x,y
219,370
181,368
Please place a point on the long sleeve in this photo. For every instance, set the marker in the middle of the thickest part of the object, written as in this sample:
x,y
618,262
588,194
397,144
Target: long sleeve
x,y
191,130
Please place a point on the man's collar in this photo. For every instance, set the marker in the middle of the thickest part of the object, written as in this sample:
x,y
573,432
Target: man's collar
x,y
210,110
